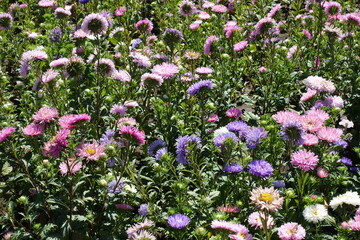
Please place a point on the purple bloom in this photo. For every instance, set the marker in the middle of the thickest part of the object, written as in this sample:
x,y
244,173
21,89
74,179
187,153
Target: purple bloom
x,y
341,143
274,10
116,186
233,168
55,35
208,44
221,140
160,153
260,168
178,221
240,46
239,126
143,210
346,161
253,137
187,8
292,131
182,144
144,26
196,87
155,146
136,43
172,36
106,138
278,184
95,23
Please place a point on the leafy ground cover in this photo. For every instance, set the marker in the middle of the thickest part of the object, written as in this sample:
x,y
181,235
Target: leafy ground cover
x,y
163,119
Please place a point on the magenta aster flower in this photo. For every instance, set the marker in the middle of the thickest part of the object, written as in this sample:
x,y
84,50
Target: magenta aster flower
x,y
213,118
70,166
132,134
45,115
6,132
165,70
240,46
304,159
120,11
90,151
68,121
330,134
59,62
233,112
208,43
291,231
95,23
144,26
34,129
204,70
332,8
54,147
273,11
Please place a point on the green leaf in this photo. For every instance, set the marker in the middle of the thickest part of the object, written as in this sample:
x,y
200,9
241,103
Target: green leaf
x,y
6,169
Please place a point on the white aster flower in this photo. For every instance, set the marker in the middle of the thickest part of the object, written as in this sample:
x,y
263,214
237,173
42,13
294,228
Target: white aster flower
x,y
350,198
315,213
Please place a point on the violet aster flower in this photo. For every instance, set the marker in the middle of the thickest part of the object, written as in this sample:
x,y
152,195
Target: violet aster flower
x,y
118,109
293,132
107,137
221,140
278,184
172,36
55,35
239,126
178,221
253,137
346,161
115,186
260,168
160,153
233,168
198,86
182,144
144,210
208,43
5,21
154,146
187,8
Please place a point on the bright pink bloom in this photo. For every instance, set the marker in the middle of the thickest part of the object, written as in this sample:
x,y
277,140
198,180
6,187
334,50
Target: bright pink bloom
x,y
68,121
304,159
144,26
262,69
255,219
91,151
165,70
54,147
70,166
120,11
329,134
213,118
318,113
240,46
34,129
132,134
219,8
6,132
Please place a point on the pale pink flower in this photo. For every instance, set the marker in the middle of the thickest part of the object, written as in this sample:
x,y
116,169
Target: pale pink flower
x,y
68,121
34,129
311,123
329,134
308,95
322,173
291,231
91,151
45,115
284,116
254,220
310,139
70,166
306,160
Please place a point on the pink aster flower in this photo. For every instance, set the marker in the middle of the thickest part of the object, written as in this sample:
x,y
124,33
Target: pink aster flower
x,y
68,121
137,227
105,66
233,227
59,62
140,59
70,166
319,113
228,209
204,70
165,70
255,219
322,173
233,112
274,10
219,8
306,33
120,11
240,46
95,23
79,34
204,15
262,69
122,75
49,75
334,101
151,80
126,122
284,116
306,160
291,231
330,134
208,43
54,147
118,109
123,206
308,95
91,151
5,133
131,104
47,3
28,56
332,8
187,8
263,26
195,25
132,134
310,139
311,122
319,84
144,26
45,115
34,129
208,4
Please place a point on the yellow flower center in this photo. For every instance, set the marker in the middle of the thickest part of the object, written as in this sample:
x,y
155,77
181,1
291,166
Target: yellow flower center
x,y
90,151
266,197
315,212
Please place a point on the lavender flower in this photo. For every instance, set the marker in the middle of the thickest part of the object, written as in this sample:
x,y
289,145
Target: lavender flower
x,y
106,138
222,139
346,161
233,168
178,221
143,210
155,146
55,35
239,126
196,87
160,153
253,137
182,144
293,132
116,186
261,168
172,36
